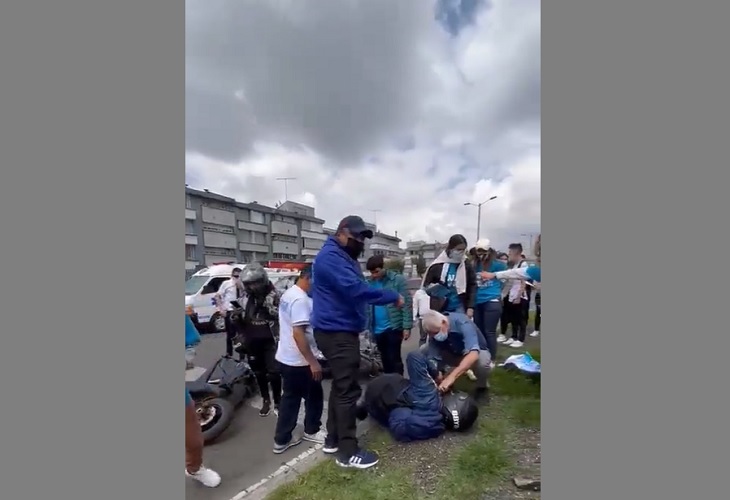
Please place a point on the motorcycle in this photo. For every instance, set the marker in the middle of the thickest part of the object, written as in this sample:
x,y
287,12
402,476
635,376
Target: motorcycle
x,y
218,392
371,364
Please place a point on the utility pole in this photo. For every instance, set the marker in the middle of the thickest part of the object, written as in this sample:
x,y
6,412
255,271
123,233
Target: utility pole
x,y
286,185
375,217
479,213
529,235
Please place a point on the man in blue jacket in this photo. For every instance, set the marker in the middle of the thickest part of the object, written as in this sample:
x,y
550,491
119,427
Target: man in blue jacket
x,y
340,296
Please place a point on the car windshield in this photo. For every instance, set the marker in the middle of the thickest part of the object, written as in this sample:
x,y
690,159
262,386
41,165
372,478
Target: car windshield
x,y
194,284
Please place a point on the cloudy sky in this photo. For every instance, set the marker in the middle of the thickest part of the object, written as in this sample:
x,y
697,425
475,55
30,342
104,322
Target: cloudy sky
x,y
409,107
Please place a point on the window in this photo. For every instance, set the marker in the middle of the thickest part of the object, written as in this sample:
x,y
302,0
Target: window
x,y
188,201
212,286
218,229
245,236
244,214
288,239
190,252
257,217
258,238
189,227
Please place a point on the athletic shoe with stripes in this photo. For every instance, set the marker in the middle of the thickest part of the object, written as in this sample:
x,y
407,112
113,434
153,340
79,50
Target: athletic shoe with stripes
x,y
362,459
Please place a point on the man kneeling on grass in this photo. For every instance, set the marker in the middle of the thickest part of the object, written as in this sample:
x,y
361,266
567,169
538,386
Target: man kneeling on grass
x,y
411,409
454,340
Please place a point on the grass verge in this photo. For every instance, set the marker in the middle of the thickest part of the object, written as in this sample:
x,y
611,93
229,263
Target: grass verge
x,y
457,466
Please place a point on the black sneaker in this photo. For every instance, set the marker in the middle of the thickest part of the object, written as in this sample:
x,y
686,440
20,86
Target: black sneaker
x,y
265,409
330,446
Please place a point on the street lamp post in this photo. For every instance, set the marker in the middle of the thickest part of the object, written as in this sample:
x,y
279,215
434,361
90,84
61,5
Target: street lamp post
x,y
479,212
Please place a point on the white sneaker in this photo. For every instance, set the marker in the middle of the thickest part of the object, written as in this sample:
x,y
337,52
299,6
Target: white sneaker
x,y
470,375
516,344
501,338
316,438
206,477
492,364
508,342
536,333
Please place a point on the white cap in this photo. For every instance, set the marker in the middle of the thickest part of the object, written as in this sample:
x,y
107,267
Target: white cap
x,y
483,244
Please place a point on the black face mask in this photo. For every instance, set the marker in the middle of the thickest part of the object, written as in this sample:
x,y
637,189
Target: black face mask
x,y
354,248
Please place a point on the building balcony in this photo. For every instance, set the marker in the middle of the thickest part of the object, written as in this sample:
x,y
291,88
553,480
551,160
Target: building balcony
x,y
190,214
191,240
253,247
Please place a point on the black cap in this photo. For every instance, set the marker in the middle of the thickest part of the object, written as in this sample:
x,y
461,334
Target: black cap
x,y
356,226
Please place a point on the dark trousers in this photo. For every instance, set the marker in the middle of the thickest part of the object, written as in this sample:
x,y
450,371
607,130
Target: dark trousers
x,y
422,392
516,317
486,317
422,335
342,350
504,319
231,332
538,311
298,384
389,345
262,358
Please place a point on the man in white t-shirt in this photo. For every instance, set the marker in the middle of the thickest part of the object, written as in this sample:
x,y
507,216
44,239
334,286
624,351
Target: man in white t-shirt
x,y
300,371
231,289
517,302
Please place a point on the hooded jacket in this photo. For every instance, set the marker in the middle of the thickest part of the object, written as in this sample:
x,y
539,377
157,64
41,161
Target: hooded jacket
x,y
467,290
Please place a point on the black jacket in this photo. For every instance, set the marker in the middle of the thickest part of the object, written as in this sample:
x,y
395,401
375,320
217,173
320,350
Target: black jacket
x,y
383,394
433,275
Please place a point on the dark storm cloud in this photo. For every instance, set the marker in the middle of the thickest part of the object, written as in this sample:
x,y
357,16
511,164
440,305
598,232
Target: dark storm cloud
x,y
341,76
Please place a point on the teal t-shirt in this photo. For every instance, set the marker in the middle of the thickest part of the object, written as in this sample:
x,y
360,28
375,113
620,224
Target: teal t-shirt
x,y
381,318
454,303
533,272
490,289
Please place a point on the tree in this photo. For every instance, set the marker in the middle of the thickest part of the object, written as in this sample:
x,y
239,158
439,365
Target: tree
x,y
420,265
396,265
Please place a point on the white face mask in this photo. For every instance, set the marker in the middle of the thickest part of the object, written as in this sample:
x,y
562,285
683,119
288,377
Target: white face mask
x,y
440,336
456,255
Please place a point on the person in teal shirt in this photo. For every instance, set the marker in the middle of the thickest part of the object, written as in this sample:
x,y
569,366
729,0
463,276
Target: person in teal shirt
x,y
194,467
488,301
532,273
390,325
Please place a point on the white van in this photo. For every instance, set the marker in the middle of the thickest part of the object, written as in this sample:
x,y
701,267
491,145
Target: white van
x,y
202,286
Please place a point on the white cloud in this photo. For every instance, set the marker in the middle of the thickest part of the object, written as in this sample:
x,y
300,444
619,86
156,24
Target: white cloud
x,y
474,118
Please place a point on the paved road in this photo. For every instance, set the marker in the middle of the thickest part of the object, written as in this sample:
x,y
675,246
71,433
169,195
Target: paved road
x,y
242,455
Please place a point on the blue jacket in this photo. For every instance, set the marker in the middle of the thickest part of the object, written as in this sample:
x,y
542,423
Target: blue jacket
x,y
340,293
192,337
411,424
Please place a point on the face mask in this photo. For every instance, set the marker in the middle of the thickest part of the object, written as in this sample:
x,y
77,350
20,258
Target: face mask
x,y
354,248
440,336
456,256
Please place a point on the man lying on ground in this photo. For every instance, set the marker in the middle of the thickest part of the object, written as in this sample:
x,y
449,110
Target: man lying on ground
x,y
411,409
454,340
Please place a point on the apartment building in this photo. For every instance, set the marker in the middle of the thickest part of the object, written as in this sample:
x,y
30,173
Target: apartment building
x,y
219,228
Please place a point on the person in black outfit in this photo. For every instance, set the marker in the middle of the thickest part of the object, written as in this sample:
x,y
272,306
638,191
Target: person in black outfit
x,y
259,333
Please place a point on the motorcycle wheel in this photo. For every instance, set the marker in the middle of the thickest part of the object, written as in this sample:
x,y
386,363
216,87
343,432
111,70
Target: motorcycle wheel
x,y
214,415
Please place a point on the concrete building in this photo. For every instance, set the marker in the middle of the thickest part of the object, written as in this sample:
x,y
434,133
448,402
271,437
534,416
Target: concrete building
x,y
429,251
219,228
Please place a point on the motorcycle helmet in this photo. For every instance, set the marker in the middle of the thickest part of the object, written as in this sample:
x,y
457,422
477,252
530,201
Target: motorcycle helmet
x,y
255,279
460,411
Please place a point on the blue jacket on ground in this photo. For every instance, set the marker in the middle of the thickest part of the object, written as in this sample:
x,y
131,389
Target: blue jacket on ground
x,y
411,424
340,293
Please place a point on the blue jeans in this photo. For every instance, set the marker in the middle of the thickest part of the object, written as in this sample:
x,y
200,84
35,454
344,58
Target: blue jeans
x,y
422,392
298,384
486,317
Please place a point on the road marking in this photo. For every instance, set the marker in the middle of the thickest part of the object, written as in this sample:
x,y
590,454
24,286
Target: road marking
x,y
194,373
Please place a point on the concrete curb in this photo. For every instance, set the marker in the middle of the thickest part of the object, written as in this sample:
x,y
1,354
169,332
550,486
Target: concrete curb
x,y
291,470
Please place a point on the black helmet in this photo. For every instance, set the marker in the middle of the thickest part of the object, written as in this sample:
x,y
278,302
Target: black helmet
x,y
255,279
460,411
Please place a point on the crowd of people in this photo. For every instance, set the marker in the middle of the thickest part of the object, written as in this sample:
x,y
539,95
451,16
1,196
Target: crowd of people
x,y
465,294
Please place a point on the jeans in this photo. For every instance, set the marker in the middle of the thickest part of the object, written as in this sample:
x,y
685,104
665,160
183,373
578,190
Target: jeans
x,y
482,367
342,350
486,317
389,345
298,384
262,358
538,311
422,393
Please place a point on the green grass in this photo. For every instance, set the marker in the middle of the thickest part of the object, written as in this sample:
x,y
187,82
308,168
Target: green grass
x,y
485,461
327,481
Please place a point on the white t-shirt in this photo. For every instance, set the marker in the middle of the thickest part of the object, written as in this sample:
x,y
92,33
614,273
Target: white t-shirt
x,y
295,309
515,285
228,292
